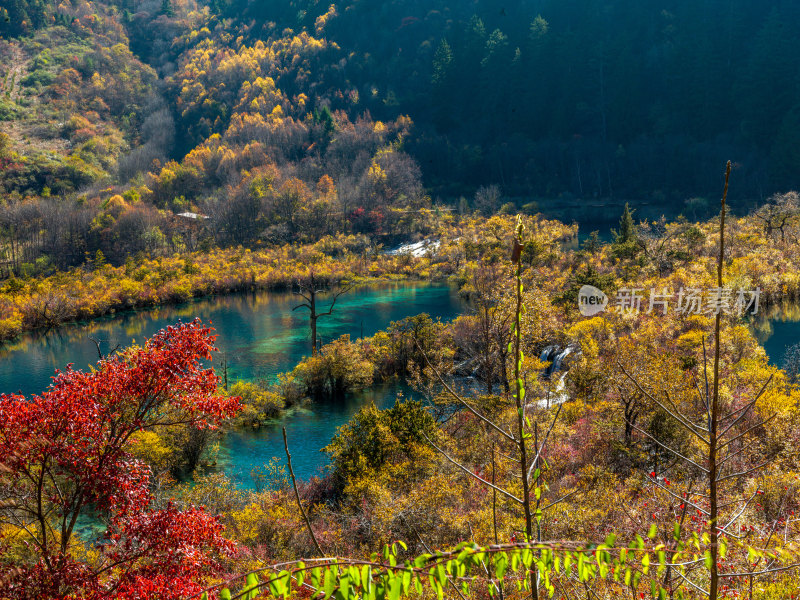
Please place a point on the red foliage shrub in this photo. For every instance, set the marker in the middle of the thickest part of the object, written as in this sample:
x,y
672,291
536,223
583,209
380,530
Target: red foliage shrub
x,y
65,453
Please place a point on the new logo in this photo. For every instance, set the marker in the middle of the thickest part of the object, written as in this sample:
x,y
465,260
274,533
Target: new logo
x,y
591,300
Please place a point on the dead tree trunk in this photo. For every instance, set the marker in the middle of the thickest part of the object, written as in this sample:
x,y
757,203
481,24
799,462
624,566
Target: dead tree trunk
x,y
308,289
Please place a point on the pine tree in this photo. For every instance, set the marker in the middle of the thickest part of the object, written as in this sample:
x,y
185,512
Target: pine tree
x,y
626,242
442,60
592,243
443,87
166,8
627,228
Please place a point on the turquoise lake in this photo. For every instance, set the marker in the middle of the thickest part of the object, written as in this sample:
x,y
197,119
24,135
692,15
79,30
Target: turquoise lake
x,y
261,336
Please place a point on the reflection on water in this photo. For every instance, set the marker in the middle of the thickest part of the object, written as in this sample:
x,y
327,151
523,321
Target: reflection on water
x,y
776,328
307,430
261,336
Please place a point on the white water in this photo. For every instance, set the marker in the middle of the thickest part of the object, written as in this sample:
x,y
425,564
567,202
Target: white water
x,y
557,394
417,249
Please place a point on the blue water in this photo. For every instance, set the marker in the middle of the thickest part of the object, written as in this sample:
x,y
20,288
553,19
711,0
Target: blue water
x,y
777,328
261,336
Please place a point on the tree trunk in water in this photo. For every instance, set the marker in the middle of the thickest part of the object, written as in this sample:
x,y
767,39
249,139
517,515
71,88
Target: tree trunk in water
x,y
313,319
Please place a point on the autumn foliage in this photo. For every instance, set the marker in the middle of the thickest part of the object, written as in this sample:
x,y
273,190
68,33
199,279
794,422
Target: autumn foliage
x,y
67,458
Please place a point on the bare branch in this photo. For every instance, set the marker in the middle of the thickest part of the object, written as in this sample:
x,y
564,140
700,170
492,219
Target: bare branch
x,y
336,297
97,344
739,514
677,497
305,297
676,453
297,496
743,473
471,474
750,405
731,455
544,441
560,500
466,405
746,431
763,572
745,408
680,418
690,582
100,354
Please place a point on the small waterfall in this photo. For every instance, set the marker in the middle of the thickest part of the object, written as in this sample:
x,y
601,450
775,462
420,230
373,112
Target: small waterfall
x,y
556,356
558,395
559,359
547,353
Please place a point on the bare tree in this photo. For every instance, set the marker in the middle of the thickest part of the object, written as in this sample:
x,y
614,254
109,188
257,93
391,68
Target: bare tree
x,y
630,401
100,355
722,428
309,288
779,212
487,199
486,333
655,238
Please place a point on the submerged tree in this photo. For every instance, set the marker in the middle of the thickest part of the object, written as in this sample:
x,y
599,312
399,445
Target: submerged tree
x,y
310,288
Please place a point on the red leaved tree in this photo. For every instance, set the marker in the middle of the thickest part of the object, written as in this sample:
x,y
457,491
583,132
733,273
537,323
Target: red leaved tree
x,y
65,455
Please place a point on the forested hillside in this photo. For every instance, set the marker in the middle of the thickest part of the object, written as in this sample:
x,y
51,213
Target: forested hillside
x,y
581,96
285,121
